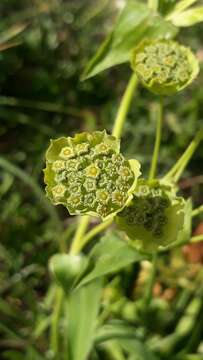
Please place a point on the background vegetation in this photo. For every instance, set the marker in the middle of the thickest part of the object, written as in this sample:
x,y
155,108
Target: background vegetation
x,y
44,46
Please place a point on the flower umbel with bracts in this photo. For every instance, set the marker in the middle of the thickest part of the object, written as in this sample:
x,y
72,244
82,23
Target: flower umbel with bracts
x,y
164,66
156,217
88,175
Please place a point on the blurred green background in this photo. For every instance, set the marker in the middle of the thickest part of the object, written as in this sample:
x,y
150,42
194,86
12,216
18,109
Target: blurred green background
x,y
44,46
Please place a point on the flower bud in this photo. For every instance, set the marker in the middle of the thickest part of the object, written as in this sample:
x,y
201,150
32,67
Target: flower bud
x,y
154,218
87,174
164,66
66,269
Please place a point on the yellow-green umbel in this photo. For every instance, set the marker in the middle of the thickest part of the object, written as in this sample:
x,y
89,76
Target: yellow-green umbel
x,y
155,218
164,66
88,175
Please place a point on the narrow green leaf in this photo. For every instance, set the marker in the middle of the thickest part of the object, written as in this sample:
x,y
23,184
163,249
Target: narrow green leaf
x,y
110,255
118,330
136,22
83,307
189,17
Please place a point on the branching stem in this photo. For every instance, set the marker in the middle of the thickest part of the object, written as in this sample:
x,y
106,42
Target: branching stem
x,y
197,211
76,244
153,169
196,239
95,231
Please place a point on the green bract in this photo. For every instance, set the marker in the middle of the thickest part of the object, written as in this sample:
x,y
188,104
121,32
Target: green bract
x,y
164,66
155,218
88,175
67,268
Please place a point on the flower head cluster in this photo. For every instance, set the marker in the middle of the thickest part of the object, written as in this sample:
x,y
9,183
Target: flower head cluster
x,y
154,218
88,175
164,66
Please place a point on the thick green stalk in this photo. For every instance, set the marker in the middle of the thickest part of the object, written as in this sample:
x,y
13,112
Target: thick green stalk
x,y
153,168
124,106
95,231
76,244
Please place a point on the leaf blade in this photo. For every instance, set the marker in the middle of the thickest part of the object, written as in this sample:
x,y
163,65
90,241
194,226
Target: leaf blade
x,y
83,307
135,22
189,17
110,255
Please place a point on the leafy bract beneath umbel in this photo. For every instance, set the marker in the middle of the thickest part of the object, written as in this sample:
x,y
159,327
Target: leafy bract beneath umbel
x,y
88,174
156,219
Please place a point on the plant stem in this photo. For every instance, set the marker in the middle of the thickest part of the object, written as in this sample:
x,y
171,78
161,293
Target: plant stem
x,y
197,211
153,4
55,321
150,284
153,168
95,231
177,170
124,106
197,238
76,244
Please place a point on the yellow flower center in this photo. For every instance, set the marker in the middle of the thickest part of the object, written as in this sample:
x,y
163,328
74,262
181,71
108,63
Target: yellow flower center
x,y
58,190
67,152
92,171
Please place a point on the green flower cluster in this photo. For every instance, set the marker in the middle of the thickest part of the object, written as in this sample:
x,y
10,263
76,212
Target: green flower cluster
x,y
164,66
154,217
88,175
149,212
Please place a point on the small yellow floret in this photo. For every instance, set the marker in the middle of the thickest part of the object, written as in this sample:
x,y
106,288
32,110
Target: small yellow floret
x,y
66,153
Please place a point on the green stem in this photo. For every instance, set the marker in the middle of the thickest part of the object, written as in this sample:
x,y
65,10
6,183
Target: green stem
x,y
55,321
95,231
76,244
196,239
153,168
124,106
151,281
197,211
177,170
153,4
